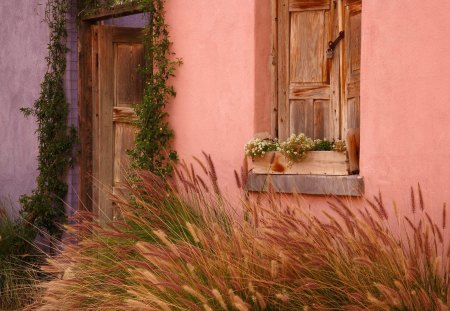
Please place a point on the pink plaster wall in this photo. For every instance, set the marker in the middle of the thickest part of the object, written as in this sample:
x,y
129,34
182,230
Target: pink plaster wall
x,y
216,85
405,99
224,90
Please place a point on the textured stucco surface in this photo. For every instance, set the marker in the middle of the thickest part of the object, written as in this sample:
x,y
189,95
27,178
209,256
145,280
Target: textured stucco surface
x,y
216,96
24,40
224,91
405,99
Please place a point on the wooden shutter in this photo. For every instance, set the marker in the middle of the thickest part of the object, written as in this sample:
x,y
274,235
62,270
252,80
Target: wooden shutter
x,y
117,87
352,71
352,40
308,82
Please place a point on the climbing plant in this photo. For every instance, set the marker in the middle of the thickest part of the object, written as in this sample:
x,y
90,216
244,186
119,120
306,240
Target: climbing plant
x,y
152,149
45,207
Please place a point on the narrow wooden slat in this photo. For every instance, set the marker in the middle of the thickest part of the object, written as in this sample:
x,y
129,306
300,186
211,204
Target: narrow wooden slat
x,y
95,115
307,184
302,117
128,80
303,5
273,70
298,91
353,142
307,47
316,162
85,111
355,41
117,11
353,89
351,104
123,141
342,69
124,114
353,2
335,93
105,121
127,35
353,112
322,119
283,69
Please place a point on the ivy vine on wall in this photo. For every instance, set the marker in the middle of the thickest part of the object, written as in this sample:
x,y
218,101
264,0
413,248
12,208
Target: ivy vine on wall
x,y
45,207
152,149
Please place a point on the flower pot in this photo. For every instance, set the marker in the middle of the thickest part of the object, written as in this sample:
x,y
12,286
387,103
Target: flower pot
x,y
315,163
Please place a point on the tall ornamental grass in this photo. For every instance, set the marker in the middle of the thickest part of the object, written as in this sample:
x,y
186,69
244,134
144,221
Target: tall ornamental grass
x,y
18,263
181,247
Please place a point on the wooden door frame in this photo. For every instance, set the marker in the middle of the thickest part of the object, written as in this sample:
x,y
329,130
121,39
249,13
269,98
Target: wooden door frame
x,y
86,100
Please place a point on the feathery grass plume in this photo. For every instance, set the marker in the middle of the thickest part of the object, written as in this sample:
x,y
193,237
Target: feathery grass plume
x,y
444,216
182,248
19,261
413,201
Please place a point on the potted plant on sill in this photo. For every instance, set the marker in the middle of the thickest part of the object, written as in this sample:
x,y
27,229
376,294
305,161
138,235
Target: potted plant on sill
x,y
299,154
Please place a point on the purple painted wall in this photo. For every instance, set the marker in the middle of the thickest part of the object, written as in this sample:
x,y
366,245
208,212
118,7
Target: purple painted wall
x,y
24,40
22,66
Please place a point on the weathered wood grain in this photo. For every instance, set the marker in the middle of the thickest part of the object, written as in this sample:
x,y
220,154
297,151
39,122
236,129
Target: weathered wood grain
x,y
352,67
95,115
117,11
299,91
85,110
352,185
316,162
353,150
307,47
118,87
303,5
124,135
302,117
105,154
283,68
273,70
128,81
124,114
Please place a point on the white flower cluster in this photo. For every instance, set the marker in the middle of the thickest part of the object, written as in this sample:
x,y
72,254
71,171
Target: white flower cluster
x,y
296,147
259,147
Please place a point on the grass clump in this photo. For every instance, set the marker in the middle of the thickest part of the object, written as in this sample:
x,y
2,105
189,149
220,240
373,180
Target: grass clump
x,y
179,247
18,261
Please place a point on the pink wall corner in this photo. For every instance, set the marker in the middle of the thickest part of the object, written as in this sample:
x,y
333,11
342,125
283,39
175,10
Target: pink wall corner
x,y
405,99
263,91
214,107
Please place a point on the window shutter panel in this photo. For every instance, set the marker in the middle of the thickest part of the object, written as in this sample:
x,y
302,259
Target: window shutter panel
x,y
308,82
352,64
351,103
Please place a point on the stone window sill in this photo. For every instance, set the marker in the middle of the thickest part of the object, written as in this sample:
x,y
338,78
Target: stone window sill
x,y
352,185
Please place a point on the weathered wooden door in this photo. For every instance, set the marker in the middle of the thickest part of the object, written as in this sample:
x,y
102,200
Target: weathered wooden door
x,y
117,87
308,81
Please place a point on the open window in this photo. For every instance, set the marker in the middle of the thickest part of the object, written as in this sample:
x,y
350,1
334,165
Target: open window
x,y
318,86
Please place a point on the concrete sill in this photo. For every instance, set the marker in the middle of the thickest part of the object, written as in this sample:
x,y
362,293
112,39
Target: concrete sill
x,y
352,185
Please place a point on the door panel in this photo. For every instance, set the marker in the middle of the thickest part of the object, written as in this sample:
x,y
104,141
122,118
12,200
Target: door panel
x,y
117,87
309,94
352,65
